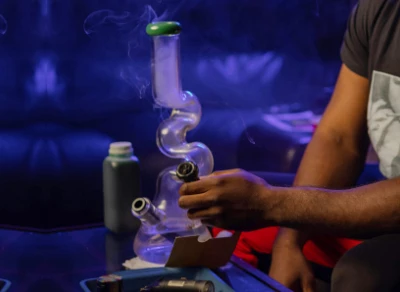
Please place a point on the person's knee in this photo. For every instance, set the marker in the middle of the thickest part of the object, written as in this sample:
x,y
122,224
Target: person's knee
x,y
373,265
352,274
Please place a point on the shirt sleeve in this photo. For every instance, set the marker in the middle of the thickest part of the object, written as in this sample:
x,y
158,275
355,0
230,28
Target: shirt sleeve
x,y
354,51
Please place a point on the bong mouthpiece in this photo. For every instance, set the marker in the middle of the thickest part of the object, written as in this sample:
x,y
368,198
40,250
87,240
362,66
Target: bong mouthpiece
x,y
187,171
163,28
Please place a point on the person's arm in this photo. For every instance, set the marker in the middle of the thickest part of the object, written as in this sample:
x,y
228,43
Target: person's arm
x,y
336,154
368,210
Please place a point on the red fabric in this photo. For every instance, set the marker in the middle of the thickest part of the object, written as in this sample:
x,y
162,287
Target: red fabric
x,y
322,250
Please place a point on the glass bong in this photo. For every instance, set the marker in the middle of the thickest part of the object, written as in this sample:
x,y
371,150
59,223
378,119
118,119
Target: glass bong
x,y
162,219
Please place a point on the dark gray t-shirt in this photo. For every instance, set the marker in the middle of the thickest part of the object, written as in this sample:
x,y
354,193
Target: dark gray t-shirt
x,y
371,48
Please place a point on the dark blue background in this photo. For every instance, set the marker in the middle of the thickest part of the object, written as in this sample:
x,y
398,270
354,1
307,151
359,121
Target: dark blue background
x,y
75,77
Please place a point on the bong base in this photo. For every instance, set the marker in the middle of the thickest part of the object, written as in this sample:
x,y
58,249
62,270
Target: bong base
x,y
156,254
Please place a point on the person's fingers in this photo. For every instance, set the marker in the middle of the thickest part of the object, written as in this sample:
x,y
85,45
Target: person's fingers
x,y
197,187
207,213
216,222
225,172
200,201
280,277
308,284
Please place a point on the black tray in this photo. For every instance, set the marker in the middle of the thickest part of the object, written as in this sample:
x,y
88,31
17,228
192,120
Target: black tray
x,y
239,275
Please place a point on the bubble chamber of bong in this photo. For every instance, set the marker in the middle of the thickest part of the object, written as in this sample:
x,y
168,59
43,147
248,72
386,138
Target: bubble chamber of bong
x,y
163,220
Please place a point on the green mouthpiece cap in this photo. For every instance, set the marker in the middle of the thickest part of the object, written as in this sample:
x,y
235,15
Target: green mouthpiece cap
x,y
163,28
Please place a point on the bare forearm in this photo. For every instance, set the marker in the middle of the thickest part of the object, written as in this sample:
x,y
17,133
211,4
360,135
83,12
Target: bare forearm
x,y
364,211
327,163
336,155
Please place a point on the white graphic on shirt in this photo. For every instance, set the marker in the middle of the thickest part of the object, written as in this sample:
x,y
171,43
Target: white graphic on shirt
x,y
384,121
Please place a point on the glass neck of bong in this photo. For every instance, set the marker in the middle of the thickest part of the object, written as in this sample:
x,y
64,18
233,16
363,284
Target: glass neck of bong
x,y
167,88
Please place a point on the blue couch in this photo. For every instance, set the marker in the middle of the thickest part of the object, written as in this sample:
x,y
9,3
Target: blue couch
x,y
78,79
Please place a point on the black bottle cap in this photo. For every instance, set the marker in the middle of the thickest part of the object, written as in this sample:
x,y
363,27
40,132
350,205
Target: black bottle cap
x,y
187,171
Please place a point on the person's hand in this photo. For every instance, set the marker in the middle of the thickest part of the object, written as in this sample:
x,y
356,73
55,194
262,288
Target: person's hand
x,y
290,268
232,199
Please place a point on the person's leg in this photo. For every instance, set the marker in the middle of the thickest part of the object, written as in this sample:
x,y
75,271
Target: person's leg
x,y
371,266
